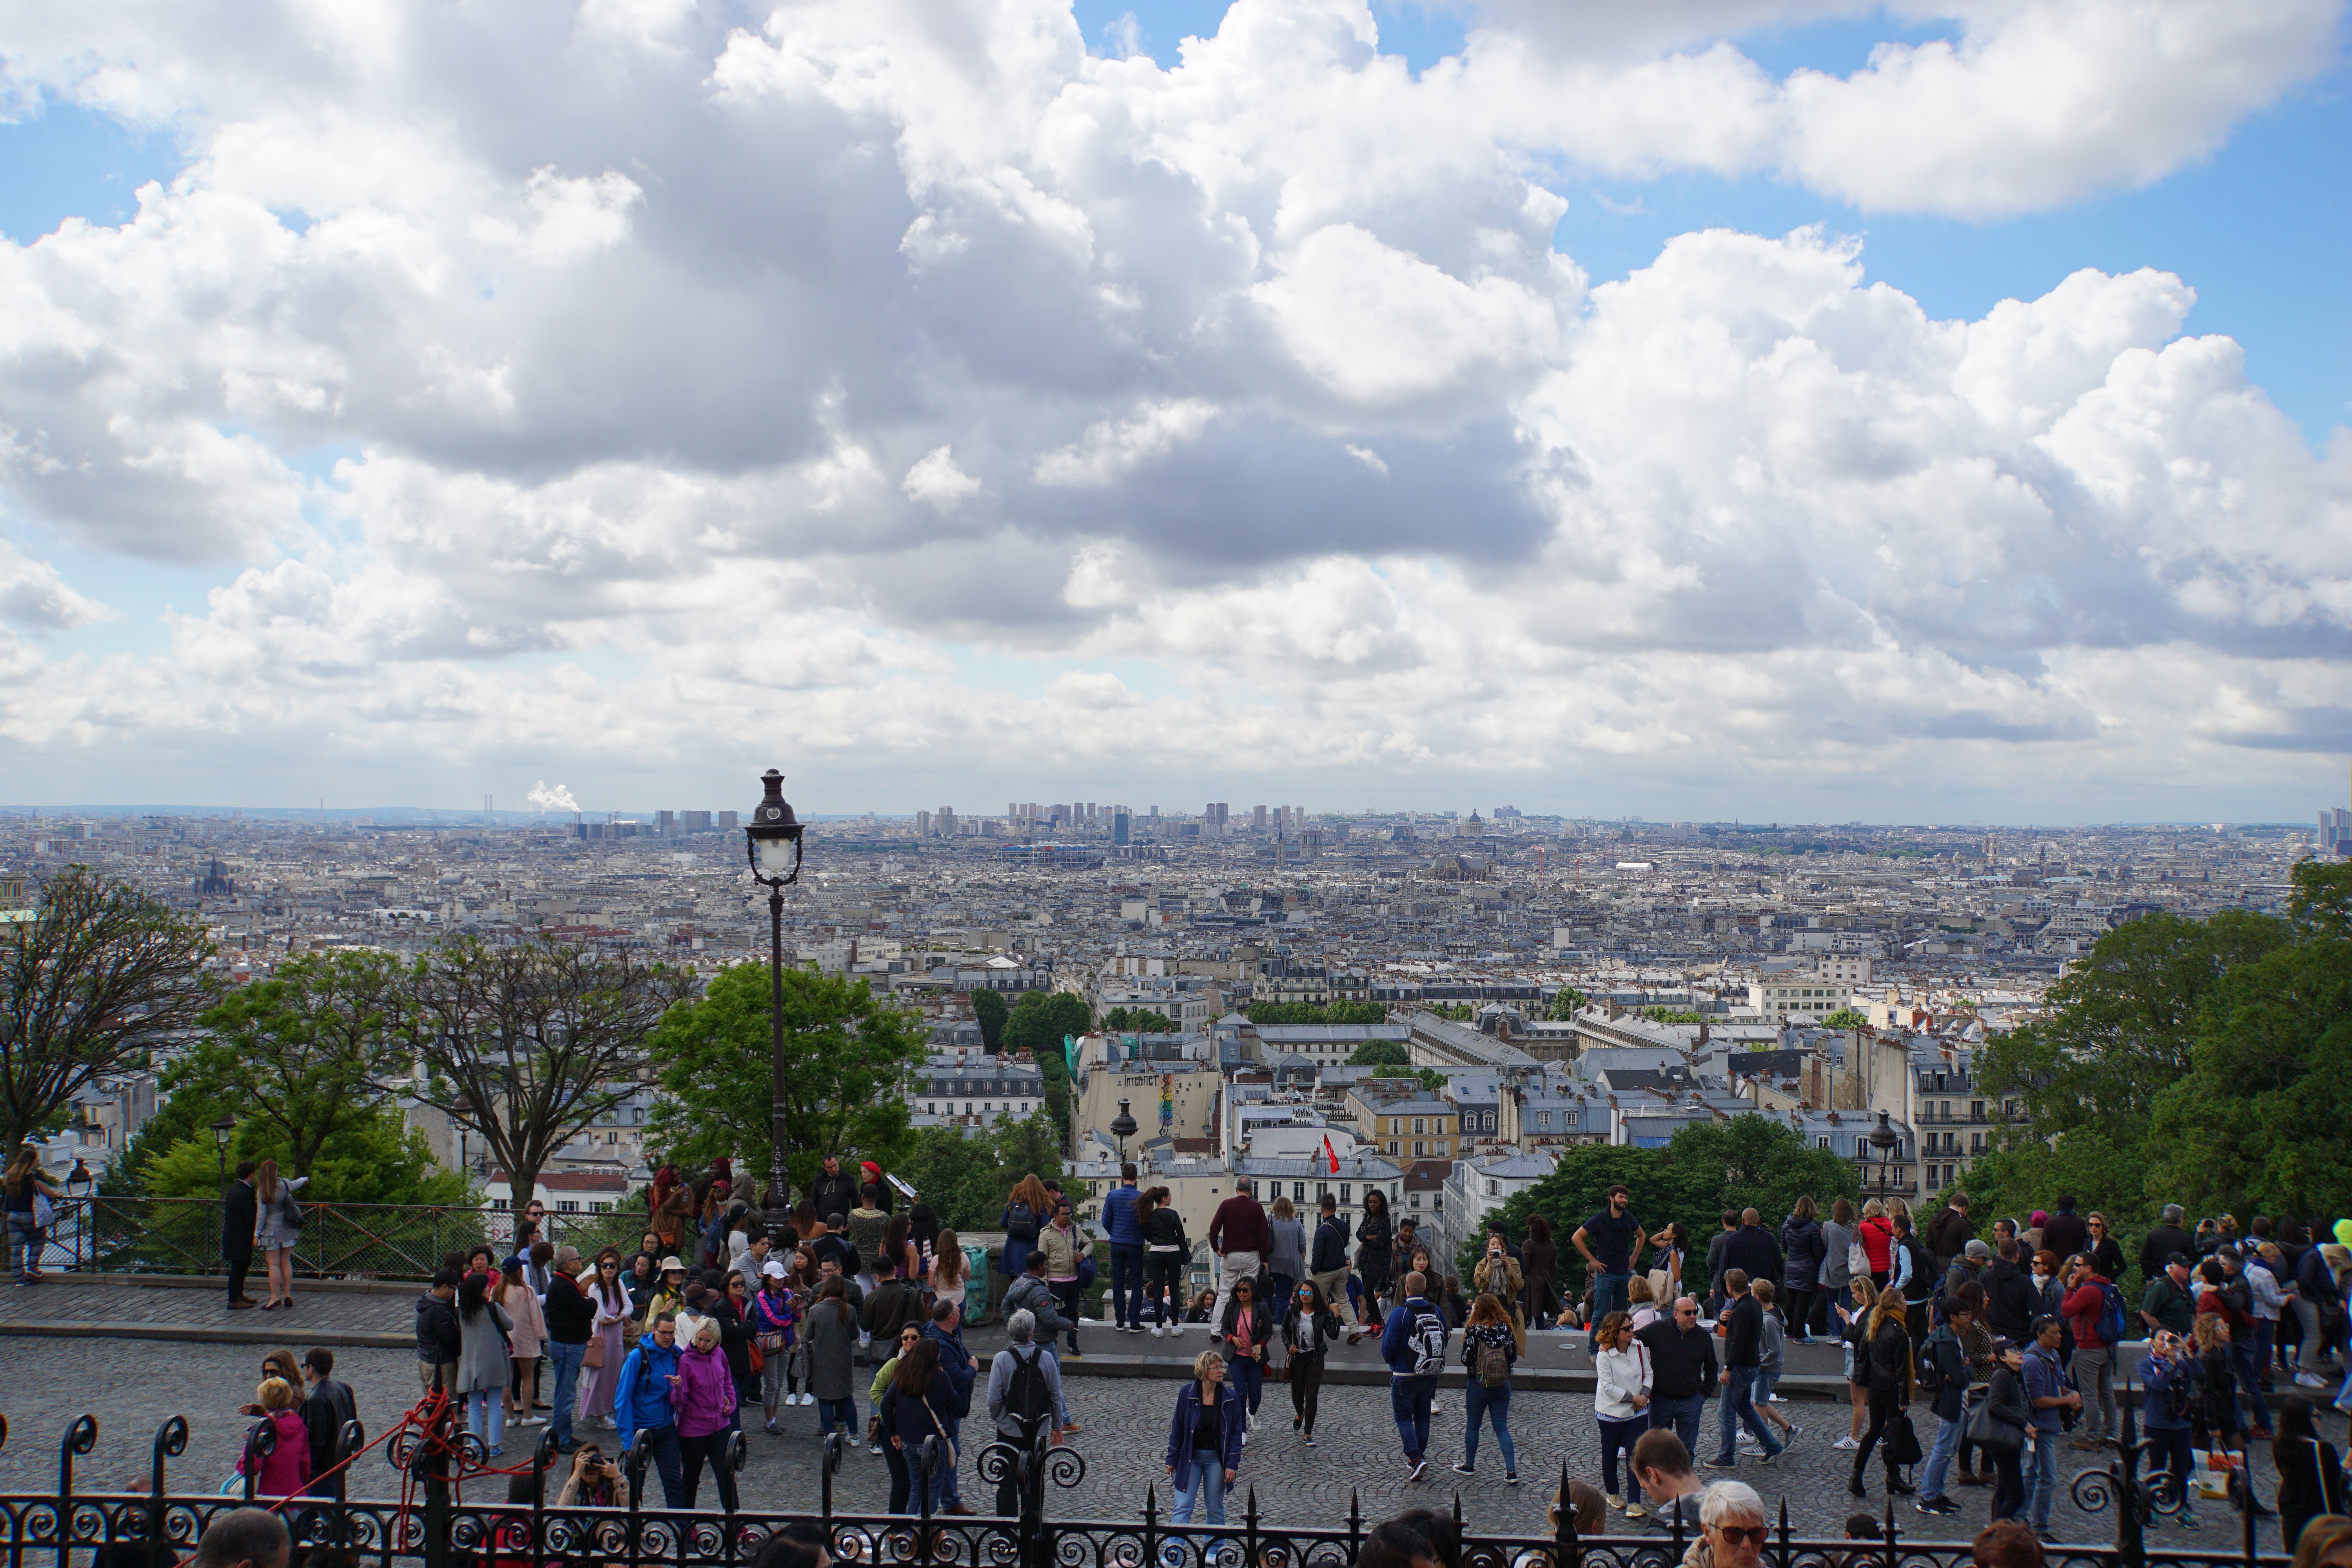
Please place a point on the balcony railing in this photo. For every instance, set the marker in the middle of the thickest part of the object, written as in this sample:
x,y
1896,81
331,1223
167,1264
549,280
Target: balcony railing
x,y
346,1241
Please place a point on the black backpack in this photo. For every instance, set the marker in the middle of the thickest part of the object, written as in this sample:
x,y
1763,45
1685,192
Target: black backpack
x,y
1021,1223
1027,1400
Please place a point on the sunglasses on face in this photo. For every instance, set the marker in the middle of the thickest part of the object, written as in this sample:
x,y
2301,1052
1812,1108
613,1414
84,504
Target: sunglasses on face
x,y
1733,1534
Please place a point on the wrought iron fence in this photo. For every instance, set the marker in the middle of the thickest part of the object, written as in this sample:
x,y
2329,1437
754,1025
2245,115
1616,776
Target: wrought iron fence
x,y
391,1241
432,1525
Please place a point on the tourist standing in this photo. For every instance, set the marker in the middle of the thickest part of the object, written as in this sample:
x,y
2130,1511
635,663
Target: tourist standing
x,y
1327,1260
1025,1211
326,1407
703,1396
2170,1380
285,1470
1375,1244
1489,1345
1308,1324
1943,1362
2010,1416
570,1319
2049,1392
1540,1263
280,1227
1025,1394
1888,1350
1853,1329
1167,1253
1948,1232
1803,1251
832,1331
2311,1474
484,1366
775,1315
608,1299
1876,1233
641,1405
522,1310
1682,1372
29,1195
240,1218
1285,1254
1836,1274
1621,1404
1498,1275
1237,1235
1064,1248
1204,1442
1610,1243
1123,1229
2090,1302
950,1267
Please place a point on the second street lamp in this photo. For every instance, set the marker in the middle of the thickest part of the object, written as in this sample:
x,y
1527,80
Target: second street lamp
x,y
772,841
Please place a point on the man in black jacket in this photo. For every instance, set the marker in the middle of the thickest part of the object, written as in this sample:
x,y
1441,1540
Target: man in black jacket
x,y
1743,1351
2163,1242
437,1339
2010,1301
1751,1249
570,1324
1947,1355
240,1213
328,1406
1682,1371
1948,1232
833,1192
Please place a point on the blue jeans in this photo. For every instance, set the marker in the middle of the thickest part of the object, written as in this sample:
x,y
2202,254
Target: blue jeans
x,y
1739,1406
1608,1295
1409,1400
487,1408
946,1491
1495,1405
1681,1417
1208,1485
1127,1285
2242,1362
1619,1437
2041,1485
24,1244
567,1360
841,1413
669,1460
1249,1376
927,1493
1939,1457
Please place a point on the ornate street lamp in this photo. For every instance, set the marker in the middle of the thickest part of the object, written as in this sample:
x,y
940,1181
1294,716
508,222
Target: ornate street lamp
x,y
221,1130
1122,1127
1888,1142
772,841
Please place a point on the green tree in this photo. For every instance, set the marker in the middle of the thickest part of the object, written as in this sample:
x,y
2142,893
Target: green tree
x,y
1845,1018
2262,1118
2103,1169
847,1057
2120,1029
1566,1004
988,1009
1040,1021
2321,903
309,1051
1380,1054
103,976
966,1178
1673,1015
526,1043
1137,1021
1265,1013
1454,1012
374,1157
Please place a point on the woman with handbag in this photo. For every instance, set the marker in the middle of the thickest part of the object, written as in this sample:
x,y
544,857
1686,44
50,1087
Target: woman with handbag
x,y
484,1362
275,1230
608,1340
526,1335
1025,1211
1244,1335
775,1313
29,1197
1621,1403
1999,1426
1375,1241
1854,1328
920,1405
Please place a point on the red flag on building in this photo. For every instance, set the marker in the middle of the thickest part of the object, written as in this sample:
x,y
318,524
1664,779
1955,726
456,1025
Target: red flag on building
x,y
1330,1156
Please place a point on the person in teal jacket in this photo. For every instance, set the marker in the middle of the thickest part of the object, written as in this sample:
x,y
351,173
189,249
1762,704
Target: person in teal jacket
x,y
642,1410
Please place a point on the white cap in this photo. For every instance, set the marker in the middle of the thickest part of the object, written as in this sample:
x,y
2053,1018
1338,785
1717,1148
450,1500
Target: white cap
x,y
773,1269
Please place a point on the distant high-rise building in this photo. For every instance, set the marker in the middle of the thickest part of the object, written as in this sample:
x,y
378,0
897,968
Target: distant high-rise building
x,y
728,822
694,821
944,821
1258,819
922,825
1119,825
665,823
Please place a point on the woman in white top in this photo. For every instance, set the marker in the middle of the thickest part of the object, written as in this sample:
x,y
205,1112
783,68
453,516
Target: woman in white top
x,y
1621,1403
948,1266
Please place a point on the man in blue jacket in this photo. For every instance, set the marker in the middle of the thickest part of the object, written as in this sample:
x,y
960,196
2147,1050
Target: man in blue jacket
x,y
641,1409
1413,1344
2168,1378
945,1331
1126,1253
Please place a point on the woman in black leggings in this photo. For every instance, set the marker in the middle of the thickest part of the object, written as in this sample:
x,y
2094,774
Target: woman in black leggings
x,y
1889,1350
1165,1257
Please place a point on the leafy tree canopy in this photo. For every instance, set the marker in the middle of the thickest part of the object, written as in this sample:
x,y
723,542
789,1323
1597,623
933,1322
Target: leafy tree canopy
x,y
1673,1015
966,1179
1845,1018
1137,1021
1263,1013
989,1010
375,1157
848,1054
1380,1054
1566,1004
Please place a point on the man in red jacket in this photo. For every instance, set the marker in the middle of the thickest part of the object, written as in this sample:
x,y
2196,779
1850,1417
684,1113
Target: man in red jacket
x,y
1239,1236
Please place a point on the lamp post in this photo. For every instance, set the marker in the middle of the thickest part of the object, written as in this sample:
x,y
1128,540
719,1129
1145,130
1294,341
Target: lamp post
x,y
1888,1142
772,841
1122,1127
221,1130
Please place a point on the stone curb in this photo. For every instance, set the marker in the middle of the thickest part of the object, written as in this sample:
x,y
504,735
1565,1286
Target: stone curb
x,y
204,1334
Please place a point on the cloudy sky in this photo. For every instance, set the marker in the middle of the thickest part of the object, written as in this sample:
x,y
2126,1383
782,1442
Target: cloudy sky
x,y
1782,408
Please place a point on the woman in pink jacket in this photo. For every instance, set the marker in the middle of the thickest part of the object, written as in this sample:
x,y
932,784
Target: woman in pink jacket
x,y
285,1470
704,1400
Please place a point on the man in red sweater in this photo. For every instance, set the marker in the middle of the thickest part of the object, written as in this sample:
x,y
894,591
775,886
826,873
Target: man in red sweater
x,y
1239,1236
2083,1305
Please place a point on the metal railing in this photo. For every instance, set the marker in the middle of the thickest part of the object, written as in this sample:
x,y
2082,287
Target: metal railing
x,y
432,1526
348,1241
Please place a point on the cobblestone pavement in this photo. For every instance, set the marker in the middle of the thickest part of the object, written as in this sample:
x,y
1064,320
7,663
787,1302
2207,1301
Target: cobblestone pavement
x,y
62,1298
134,1386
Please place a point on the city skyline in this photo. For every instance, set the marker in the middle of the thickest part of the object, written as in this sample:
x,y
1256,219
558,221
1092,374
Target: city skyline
x,y
1821,410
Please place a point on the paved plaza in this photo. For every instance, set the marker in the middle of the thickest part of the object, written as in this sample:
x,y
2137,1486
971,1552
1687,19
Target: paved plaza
x,y
133,1385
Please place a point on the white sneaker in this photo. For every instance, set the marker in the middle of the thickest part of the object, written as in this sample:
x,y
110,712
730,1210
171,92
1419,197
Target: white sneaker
x,y
2305,1380
1848,1443
1175,1331
1155,1330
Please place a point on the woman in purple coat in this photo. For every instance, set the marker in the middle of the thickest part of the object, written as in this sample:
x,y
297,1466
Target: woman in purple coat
x,y
703,1398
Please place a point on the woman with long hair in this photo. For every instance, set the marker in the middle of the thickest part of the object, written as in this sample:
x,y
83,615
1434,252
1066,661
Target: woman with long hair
x,y
2310,1471
898,1245
1488,1349
1887,1352
1166,1252
1308,1325
484,1364
673,1213
1854,1328
1027,1210
278,1228
775,1325
832,1331
923,1230
920,1405
527,1334
608,1299
1802,1249
1836,1272
1204,1440
946,1280
28,1194
1620,1402
1243,1336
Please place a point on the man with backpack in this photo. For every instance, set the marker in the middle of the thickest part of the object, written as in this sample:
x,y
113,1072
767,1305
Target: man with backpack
x,y
1024,1391
2093,1308
1944,1379
1326,1258
1413,1344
